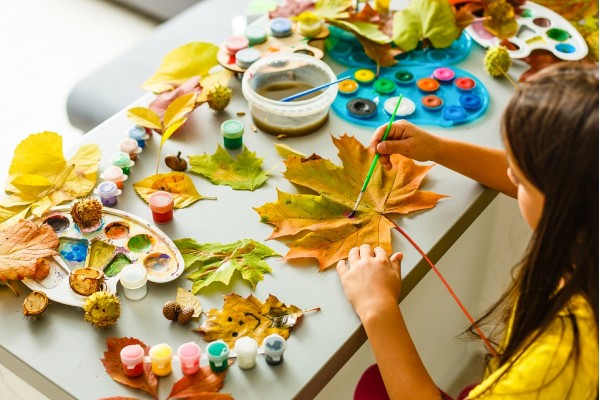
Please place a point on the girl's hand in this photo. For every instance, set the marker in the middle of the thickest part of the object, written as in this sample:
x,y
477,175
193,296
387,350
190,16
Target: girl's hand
x,y
371,280
406,139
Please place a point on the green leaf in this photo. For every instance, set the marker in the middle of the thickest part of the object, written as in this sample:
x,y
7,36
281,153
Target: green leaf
x,y
242,173
425,19
216,262
334,9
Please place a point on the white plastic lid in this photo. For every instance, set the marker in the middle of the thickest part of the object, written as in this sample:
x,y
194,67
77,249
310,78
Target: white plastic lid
x,y
133,276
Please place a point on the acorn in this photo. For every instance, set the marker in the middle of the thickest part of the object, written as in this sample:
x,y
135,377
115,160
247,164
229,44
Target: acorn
x,y
176,163
185,315
171,310
35,304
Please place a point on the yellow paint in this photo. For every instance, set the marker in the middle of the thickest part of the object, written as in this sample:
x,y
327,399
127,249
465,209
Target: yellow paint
x,y
160,357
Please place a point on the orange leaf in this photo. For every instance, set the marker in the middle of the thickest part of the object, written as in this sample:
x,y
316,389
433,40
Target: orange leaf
x,y
317,226
112,363
203,385
22,245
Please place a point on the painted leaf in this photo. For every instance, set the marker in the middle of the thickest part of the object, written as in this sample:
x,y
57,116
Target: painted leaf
x,y
177,183
112,363
425,19
22,245
246,317
185,298
216,262
145,117
40,177
179,65
317,226
242,173
204,385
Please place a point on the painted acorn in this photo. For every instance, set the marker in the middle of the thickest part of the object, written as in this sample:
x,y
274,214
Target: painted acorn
x,y
87,213
175,162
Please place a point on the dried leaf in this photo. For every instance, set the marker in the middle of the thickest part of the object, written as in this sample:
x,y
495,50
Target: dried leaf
x,y
204,385
246,317
216,262
317,226
112,363
185,298
291,8
242,173
22,245
286,151
177,183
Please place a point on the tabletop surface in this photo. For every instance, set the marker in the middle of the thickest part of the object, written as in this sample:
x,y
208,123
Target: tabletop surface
x,y
60,354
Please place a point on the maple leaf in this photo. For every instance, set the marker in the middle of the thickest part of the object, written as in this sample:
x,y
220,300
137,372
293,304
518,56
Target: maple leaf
x,y
317,226
177,183
242,173
22,245
216,262
203,385
40,177
246,317
148,382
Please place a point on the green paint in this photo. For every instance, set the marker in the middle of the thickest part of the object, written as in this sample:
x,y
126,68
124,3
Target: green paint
x,y
140,243
116,264
559,35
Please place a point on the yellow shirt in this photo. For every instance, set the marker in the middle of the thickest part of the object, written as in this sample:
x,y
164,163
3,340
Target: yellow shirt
x,y
542,372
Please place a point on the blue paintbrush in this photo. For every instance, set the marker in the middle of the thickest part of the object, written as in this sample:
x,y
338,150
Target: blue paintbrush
x,y
312,90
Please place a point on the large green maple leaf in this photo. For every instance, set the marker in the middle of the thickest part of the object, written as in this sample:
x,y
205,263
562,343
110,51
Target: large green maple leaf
x,y
317,226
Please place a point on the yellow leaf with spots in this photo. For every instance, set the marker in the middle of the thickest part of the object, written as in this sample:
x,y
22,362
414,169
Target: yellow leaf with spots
x,y
177,183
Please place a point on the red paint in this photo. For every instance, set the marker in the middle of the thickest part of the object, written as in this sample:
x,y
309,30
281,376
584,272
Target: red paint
x,y
431,101
464,83
161,204
137,370
162,218
132,359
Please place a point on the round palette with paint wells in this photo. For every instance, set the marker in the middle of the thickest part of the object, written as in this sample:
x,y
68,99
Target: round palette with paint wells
x,y
344,48
538,28
431,95
122,239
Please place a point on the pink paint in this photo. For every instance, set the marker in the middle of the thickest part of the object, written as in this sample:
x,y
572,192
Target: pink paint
x,y
443,74
132,358
189,357
235,44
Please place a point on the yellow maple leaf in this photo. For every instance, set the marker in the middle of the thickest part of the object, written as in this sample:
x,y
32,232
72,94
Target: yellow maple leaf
x,y
177,183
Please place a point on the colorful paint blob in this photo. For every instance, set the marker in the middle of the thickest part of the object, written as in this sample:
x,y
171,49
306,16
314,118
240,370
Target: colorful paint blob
x,y
73,251
158,262
560,35
116,264
116,230
58,223
100,253
140,243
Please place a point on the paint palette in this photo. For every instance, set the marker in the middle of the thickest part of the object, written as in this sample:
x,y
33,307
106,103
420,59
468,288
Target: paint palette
x,y
344,47
539,28
432,95
121,239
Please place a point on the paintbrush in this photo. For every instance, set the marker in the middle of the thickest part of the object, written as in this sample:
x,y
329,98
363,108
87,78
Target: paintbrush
x,y
375,159
312,90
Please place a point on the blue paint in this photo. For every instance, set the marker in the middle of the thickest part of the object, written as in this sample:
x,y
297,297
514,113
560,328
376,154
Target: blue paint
x,y
73,250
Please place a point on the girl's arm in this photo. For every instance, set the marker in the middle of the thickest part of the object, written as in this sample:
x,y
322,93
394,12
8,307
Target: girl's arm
x,y
485,165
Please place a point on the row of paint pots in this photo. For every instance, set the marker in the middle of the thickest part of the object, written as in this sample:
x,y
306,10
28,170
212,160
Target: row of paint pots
x,y
190,355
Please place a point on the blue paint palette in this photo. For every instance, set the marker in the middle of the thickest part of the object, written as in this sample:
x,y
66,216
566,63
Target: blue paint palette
x,y
343,47
432,95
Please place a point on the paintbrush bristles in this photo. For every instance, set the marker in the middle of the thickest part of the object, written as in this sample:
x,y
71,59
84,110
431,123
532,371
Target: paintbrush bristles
x,y
360,195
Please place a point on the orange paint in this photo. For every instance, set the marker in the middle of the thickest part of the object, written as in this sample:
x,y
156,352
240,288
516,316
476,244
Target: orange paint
x,y
428,84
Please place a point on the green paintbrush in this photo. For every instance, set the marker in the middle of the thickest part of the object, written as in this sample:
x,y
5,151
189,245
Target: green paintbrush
x,y
374,163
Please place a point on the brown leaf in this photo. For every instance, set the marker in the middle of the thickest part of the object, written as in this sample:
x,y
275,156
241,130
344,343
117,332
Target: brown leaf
x,y
382,54
22,245
112,363
203,385
537,60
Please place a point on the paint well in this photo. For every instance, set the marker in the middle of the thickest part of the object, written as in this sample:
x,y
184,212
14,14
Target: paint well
x,y
116,230
116,264
140,243
73,251
158,262
58,223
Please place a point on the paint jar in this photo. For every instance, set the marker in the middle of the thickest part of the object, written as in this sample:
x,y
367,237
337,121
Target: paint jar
x,y
160,357
310,29
218,354
132,359
246,349
364,76
114,174
189,358
122,160
255,35
234,44
246,57
133,278
139,134
232,131
131,147
161,204
86,281
108,193
280,27
274,346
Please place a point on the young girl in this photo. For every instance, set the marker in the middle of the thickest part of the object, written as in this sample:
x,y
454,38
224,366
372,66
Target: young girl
x,y
549,314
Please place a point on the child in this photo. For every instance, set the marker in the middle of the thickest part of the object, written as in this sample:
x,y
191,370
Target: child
x,y
549,314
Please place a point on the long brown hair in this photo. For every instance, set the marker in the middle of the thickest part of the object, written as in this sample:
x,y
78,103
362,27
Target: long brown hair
x,y
551,128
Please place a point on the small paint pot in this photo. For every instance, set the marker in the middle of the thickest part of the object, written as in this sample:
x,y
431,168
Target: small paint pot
x,y
432,102
86,281
131,147
114,174
404,77
218,354
161,204
310,30
470,101
464,84
161,356
407,106
133,278
246,348
560,35
189,358
246,57
454,113
232,131
348,87
108,192
280,27
140,134
255,35
123,161
364,76
132,360
384,86
428,85
443,74
274,347
361,108
234,44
